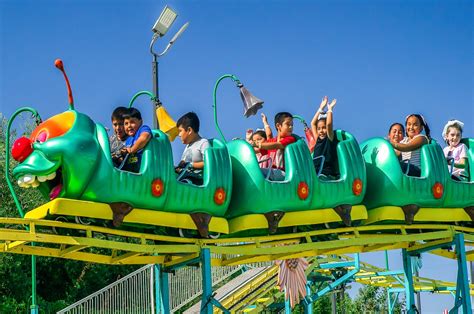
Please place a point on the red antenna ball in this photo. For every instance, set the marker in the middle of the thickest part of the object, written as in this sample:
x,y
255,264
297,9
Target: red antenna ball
x,y
59,64
21,149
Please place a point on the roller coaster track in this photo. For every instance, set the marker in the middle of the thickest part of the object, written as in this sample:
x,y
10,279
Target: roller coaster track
x,y
262,290
255,294
113,246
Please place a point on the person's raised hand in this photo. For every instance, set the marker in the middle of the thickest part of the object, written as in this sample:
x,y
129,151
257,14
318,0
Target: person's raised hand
x,y
248,135
264,119
323,104
332,104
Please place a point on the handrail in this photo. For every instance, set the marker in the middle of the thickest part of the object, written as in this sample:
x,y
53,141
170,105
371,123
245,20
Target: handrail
x,y
214,106
7,153
143,92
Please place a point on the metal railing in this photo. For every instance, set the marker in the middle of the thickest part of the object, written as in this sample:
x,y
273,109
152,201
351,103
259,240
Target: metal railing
x,y
186,283
134,293
130,294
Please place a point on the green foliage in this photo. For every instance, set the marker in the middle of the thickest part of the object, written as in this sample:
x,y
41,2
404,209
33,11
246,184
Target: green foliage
x,y
373,299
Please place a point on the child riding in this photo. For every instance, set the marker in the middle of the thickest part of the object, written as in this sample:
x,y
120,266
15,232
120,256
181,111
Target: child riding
x,y
192,160
455,152
275,147
326,144
395,134
260,136
138,136
410,146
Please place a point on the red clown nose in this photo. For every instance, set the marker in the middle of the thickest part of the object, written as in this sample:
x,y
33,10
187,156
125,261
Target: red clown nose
x,y
21,149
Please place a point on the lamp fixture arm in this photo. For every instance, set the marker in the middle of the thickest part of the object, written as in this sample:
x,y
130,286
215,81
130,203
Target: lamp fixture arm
x,y
7,153
144,92
153,40
214,105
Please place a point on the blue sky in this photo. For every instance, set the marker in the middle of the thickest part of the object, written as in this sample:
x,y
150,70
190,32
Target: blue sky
x,y
381,59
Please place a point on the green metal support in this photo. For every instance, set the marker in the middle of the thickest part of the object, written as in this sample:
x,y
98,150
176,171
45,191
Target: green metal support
x,y
34,306
143,92
409,289
214,105
462,298
389,299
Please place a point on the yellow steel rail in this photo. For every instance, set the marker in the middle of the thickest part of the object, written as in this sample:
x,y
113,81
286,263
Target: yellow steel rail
x,y
114,246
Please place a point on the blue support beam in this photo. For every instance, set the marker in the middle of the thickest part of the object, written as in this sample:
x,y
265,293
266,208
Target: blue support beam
x,y
158,303
409,289
207,300
347,277
206,305
165,292
392,303
462,298
308,306
287,305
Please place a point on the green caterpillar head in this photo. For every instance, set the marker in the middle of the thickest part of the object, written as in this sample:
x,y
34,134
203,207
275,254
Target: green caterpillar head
x,y
60,156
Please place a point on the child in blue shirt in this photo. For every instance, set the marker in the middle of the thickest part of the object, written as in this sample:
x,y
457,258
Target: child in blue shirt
x,y
138,136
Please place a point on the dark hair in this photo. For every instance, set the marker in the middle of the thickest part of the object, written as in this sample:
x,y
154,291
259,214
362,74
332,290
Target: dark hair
x,y
118,113
394,124
261,133
133,113
321,119
423,123
281,116
189,120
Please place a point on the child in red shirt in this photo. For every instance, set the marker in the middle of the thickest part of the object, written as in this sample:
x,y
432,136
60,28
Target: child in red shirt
x,y
275,147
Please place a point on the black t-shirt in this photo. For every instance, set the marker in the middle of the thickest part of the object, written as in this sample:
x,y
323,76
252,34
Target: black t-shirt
x,y
327,148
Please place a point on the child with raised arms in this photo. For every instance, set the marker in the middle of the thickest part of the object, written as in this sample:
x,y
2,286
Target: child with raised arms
x,y
260,136
326,143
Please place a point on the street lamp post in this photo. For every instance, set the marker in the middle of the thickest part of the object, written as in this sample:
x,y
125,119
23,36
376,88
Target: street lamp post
x,y
162,24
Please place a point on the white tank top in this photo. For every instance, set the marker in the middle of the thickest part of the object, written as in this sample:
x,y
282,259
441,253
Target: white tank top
x,y
414,155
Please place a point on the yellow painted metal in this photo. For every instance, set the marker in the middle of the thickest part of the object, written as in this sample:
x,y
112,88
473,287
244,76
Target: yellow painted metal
x,y
290,219
113,246
245,291
395,213
69,207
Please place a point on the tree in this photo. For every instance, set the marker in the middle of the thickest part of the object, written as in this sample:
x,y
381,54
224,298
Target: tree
x,y
372,299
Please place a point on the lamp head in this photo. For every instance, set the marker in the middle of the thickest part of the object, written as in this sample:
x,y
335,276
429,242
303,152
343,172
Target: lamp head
x,y
251,103
164,22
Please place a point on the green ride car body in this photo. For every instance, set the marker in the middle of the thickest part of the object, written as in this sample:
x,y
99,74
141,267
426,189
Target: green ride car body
x,y
82,156
253,194
387,185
